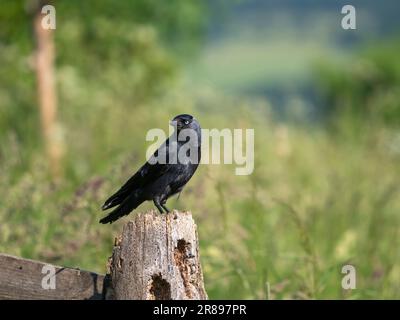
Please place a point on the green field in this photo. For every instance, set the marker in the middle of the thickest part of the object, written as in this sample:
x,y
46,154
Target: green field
x,y
323,194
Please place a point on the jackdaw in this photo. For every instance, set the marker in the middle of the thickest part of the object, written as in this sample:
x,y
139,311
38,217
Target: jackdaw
x,y
164,174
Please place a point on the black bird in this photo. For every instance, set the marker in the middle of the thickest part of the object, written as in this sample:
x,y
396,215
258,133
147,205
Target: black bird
x,y
159,181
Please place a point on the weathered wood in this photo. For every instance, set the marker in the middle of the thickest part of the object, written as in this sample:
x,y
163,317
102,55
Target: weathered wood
x,y
22,279
157,258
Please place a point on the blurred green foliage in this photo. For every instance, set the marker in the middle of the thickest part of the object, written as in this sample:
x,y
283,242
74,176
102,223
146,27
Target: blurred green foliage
x,y
367,88
318,198
115,49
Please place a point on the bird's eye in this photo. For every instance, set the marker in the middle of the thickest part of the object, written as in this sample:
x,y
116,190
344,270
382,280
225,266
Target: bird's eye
x,y
186,122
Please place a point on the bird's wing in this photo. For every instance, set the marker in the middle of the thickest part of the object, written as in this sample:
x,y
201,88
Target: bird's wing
x,y
149,172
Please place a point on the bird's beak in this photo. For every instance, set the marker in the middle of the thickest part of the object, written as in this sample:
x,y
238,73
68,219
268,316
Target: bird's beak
x,y
176,123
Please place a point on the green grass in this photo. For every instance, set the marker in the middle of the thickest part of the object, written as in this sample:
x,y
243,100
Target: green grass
x,y
315,202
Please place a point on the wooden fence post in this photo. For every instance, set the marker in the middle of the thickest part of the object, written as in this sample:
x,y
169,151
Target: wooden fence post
x,y
157,258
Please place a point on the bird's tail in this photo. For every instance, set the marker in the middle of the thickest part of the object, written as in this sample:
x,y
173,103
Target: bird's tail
x,y
130,203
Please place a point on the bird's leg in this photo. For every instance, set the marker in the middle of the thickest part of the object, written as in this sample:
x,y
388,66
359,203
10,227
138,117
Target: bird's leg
x,y
158,205
162,203
164,207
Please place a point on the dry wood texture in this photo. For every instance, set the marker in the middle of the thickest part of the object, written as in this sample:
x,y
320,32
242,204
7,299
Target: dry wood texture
x,y
157,258
22,279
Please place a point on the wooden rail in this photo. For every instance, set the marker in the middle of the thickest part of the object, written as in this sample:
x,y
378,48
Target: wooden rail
x,y
23,279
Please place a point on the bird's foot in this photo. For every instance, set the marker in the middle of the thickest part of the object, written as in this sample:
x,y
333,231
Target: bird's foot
x,y
159,207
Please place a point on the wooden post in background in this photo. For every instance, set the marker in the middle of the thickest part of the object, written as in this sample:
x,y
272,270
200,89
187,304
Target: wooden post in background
x,y
157,258
46,89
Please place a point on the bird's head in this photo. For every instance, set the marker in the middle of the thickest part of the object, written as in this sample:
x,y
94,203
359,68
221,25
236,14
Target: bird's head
x,y
185,121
